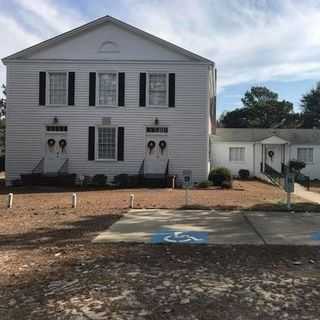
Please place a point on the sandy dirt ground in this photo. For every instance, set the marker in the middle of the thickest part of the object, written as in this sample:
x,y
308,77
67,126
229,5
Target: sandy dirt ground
x,y
49,269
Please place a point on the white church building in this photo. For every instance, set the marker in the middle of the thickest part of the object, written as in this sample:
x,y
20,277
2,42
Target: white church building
x,y
108,98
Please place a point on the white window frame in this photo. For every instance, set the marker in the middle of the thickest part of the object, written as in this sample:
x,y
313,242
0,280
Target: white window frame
x,y
306,148
244,154
97,144
98,89
148,86
48,88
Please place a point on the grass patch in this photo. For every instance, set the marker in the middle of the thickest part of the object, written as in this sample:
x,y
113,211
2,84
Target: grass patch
x,y
282,206
194,207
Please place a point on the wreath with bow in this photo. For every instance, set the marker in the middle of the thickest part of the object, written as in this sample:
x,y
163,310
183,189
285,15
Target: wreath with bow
x,y
51,142
270,154
62,144
151,145
162,145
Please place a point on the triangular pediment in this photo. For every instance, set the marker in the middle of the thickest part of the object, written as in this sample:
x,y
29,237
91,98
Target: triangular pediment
x,y
106,39
274,140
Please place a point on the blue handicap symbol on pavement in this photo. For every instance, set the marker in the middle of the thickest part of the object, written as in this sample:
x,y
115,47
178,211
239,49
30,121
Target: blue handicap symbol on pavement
x,y
315,235
180,237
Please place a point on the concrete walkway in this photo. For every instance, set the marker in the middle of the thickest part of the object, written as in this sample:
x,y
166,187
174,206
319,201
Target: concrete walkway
x,y
231,227
302,192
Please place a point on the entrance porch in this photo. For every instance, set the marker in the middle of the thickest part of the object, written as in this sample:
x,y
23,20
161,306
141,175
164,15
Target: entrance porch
x,y
274,155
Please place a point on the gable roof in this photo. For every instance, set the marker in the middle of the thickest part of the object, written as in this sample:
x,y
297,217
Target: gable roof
x,y
274,140
57,39
293,136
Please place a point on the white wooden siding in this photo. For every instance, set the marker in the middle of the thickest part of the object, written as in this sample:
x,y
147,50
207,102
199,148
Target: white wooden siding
x,y
312,169
220,157
187,122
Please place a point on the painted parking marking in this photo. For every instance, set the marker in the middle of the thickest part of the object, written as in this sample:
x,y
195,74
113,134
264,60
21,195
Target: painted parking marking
x,y
315,235
180,237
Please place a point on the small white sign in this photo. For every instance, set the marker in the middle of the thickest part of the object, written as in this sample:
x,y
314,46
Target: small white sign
x,y
289,183
187,178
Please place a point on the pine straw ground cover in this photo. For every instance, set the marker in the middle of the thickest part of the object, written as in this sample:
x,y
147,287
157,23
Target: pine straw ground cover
x,y
49,269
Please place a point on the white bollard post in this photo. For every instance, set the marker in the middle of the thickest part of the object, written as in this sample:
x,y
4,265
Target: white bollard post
x,y
74,200
131,201
10,200
173,182
186,197
289,200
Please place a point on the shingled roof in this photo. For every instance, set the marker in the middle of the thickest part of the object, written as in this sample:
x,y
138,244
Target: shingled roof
x,y
293,136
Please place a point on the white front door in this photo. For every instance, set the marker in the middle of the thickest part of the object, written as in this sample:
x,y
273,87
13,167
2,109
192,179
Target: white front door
x,y
56,147
274,156
156,154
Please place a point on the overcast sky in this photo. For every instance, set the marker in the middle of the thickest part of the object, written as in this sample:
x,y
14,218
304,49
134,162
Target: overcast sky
x,y
253,42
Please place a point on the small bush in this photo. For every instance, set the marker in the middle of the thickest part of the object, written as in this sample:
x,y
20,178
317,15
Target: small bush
x,y
133,181
226,184
205,184
244,174
86,181
296,166
122,180
218,175
2,163
99,180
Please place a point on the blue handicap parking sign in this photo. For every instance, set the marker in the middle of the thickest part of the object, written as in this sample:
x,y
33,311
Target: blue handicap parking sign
x,y
180,237
315,235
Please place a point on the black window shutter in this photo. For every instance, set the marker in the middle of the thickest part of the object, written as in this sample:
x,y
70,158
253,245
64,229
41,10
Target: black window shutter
x,y
92,89
42,88
121,89
142,89
71,81
91,143
120,143
172,90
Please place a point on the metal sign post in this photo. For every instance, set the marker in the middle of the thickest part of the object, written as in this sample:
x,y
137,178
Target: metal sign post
x,y
289,200
187,184
289,188
186,202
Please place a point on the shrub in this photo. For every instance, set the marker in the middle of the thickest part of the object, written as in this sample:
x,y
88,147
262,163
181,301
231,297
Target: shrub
x,y
99,180
133,181
122,180
218,175
296,165
226,184
205,184
86,181
244,174
2,163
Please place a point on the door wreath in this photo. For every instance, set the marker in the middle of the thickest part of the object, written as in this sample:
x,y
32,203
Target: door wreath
x,y
62,144
151,145
51,142
162,145
270,154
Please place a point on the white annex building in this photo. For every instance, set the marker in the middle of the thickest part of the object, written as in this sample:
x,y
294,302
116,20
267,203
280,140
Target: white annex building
x,y
258,150
108,98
